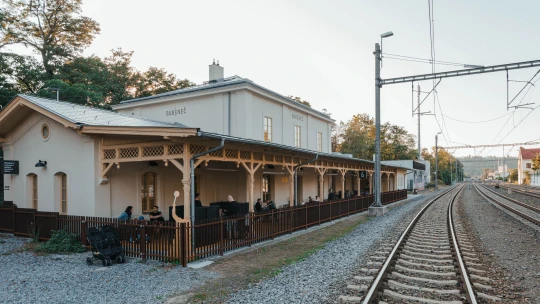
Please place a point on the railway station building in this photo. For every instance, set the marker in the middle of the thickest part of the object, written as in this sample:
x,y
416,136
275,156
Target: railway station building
x,y
80,160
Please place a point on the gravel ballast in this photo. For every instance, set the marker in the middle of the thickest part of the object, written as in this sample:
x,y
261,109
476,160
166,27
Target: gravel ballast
x,y
320,277
512,247
28,278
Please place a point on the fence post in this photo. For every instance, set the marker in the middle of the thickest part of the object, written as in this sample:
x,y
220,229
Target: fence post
x,y
83,232
305,206
142,242
220,235
291,221
272,226
181,243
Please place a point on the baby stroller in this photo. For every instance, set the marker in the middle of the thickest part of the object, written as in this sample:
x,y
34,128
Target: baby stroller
x,y
105,246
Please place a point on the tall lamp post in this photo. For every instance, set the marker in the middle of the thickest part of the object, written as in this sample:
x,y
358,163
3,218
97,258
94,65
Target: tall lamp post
x,y
378,62
437,162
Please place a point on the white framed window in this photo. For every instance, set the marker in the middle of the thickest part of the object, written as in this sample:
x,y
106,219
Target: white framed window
x,y
319,141
266,187
63,193
297,136
267,129
148,191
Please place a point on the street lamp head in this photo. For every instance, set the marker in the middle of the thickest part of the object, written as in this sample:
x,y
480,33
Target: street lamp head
x,y
387,34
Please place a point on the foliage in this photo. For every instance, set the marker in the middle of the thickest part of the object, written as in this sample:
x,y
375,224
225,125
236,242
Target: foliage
x,y
51,28
300,100
61,241
357,137
447,165
57,33
513,175
536,164
527,178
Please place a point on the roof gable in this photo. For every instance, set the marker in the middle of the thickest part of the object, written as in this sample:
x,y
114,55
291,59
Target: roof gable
x,y
83,118
528,153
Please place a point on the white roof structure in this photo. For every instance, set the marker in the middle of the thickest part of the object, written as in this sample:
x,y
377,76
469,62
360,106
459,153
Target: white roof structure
x,y
83,115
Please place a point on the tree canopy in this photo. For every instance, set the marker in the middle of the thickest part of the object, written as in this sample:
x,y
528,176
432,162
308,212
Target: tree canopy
x,y
357,137
51,28
56,32
300,100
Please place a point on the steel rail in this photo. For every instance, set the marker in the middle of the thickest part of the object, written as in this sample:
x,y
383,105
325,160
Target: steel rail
x,y
469,293
523,215
371,295
513,200
525,192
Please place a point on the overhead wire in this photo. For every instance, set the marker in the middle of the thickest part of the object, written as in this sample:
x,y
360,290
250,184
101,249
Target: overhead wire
x,y
482,121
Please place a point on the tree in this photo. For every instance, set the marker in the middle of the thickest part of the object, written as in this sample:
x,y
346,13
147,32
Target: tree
x,y
536,165
357,137
300,100
51,28
157,81
18,74
513,175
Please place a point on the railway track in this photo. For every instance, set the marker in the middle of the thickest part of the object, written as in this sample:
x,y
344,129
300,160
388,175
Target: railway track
x,y
525,211
432,262
534,193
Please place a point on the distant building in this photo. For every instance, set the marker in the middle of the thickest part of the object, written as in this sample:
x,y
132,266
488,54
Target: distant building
x,y
525,165
417,175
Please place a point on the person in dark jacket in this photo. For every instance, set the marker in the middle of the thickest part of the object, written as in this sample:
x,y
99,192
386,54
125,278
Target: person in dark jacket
x,y
198,203
232,206
258,205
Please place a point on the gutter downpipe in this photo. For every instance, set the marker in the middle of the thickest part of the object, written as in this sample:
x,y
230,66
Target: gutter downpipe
x,y
229,113
295,203
192,184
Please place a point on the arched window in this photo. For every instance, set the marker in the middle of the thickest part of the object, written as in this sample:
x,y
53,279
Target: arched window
x,y
266,187
63,193
32,189
148,191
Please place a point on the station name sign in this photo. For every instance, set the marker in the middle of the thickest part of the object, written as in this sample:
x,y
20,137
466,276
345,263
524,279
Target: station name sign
x,y
298,117
176,112
10,167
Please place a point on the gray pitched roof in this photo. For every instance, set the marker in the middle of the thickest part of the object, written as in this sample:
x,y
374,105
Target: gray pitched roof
x,y
228,81
84,115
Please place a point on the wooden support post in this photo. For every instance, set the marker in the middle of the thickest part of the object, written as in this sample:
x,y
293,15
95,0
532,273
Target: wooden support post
x,y
142,242
250,182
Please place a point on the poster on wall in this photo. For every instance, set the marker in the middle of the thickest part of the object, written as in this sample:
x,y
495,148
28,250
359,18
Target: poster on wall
x,y
10,167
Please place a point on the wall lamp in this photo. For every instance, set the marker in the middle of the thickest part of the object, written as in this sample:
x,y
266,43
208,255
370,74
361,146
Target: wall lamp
x,y
41,163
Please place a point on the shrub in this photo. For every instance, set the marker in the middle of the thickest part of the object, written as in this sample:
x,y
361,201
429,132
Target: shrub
x,y
61,242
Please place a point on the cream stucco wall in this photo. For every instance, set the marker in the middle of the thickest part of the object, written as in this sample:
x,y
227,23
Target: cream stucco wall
x,y
210,113
65,151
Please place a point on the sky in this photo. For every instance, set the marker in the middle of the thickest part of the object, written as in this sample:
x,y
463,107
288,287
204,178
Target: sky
x,y
322,51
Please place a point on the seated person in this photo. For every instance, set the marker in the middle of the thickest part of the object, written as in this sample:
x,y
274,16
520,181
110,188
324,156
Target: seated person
x,y
198,203
316,199
258,205
231,208
272,205
126,215
156,215
310,200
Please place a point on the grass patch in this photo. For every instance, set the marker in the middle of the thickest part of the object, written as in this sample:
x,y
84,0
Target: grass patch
x,y
242,270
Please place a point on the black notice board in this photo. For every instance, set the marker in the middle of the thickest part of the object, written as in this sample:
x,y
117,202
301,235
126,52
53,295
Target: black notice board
x,y
10,167
362,174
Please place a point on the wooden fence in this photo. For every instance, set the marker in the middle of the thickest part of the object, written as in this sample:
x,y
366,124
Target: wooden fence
x,y
182,243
